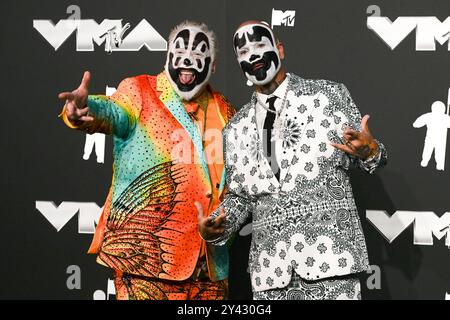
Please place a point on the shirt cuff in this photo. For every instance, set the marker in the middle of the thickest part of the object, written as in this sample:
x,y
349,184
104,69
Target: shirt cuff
x,y
371,163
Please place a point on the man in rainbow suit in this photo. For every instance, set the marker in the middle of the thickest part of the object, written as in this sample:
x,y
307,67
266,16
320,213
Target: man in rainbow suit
x,y
167,140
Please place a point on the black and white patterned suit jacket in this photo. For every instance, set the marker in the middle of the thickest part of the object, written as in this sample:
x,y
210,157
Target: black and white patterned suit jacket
x,y
307,222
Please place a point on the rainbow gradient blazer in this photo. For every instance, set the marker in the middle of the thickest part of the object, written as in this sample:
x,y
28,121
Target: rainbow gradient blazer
x,y
148,226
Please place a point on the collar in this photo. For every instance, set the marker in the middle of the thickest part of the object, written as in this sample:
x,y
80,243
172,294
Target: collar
x,y
163,85
279,93
200,102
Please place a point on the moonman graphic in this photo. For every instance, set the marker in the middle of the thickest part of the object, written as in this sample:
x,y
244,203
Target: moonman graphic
x,y
437,122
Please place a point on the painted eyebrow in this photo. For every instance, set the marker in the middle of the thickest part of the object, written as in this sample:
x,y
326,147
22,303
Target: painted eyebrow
x,y
199,37
183,34
258,33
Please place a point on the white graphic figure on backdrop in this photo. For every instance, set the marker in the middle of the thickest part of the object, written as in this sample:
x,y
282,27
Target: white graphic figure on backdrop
x,y
437,122
97,140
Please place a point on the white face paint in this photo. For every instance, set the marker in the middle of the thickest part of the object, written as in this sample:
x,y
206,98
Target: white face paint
x,y
256,52
189,61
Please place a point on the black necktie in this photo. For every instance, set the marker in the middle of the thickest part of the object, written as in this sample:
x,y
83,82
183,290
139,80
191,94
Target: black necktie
x,y
268,145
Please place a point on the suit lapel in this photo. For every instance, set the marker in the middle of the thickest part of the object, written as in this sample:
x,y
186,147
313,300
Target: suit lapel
x,y
223,115
174,104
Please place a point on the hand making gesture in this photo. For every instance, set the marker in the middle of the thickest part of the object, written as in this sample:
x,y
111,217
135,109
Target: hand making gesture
x,y
76,102
359,143
208,227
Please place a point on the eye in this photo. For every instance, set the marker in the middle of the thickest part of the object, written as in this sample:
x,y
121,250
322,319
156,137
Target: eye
x,y
198,55
242,52
260,45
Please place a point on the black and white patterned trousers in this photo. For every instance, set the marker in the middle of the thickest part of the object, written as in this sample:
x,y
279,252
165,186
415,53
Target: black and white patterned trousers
x,y
339,288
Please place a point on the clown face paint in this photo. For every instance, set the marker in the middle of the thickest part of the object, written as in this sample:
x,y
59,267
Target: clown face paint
x,y
257,53
189,61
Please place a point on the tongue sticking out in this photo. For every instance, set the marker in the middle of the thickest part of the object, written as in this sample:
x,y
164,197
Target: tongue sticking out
x,y
187,78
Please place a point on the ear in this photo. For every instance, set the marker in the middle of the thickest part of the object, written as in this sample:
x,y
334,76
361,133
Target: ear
x,y
280,48
213,66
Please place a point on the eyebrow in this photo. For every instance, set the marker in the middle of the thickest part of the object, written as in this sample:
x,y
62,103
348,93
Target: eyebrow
x,y
199,37
183,34
258,33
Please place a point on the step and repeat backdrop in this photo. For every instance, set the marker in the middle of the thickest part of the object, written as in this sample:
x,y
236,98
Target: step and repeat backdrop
x,y
392,55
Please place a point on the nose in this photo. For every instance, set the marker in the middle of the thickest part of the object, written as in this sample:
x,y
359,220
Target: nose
x,y
253,57
187,62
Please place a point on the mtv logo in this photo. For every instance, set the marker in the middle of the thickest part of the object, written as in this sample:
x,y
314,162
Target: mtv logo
x,y
283,18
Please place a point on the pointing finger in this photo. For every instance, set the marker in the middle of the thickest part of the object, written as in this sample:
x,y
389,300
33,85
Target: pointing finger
x,y
86,79
364,123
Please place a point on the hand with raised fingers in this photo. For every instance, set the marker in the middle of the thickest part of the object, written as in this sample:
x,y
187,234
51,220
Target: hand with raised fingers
x,y
76,101
359,143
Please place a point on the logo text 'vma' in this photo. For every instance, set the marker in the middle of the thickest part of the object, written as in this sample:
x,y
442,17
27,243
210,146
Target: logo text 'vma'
x,y
426,225
58,216
108,32
429,30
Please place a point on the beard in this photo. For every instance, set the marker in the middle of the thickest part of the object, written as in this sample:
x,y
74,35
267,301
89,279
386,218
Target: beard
x,y
262,71
188,83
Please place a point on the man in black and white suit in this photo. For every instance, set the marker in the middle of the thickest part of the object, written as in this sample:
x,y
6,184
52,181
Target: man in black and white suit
x,y
287,153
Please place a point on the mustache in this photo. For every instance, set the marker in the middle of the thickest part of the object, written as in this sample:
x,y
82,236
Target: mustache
x,y
266,61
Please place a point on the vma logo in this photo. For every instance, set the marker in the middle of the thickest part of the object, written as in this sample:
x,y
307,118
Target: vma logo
x,y
426,225
428,29
58,216
110,33
283,18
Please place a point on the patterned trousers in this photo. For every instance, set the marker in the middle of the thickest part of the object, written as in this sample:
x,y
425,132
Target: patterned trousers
x,y
131,287
339,288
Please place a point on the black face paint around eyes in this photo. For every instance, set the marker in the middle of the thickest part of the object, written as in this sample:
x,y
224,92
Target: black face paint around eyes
x,y
239,42
199,76
199,37
183,34
261,73
258,33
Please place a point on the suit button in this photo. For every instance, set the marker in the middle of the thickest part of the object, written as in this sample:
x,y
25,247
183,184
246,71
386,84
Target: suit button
x,y
217,185
209,195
